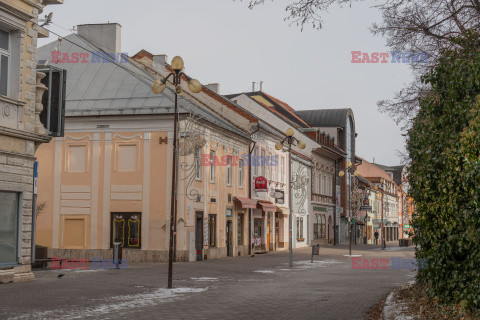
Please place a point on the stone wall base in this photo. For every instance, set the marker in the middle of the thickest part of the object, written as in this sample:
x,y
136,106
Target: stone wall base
x,y
131,255
17,274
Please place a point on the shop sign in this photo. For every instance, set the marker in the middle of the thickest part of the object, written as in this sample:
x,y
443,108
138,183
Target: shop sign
x,y
340,210
229,212
279,196
366,208
321,209
260,184
406,226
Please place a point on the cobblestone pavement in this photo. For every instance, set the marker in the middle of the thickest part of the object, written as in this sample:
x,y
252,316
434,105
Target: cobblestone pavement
x,y
259,287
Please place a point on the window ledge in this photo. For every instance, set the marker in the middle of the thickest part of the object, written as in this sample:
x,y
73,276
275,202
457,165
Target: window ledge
x,y
300,239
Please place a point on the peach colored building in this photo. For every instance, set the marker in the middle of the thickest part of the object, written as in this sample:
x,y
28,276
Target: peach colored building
x,y
109,178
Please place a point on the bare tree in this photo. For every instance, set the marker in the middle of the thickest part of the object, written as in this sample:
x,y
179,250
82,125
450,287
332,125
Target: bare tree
x,y
39,208
420,26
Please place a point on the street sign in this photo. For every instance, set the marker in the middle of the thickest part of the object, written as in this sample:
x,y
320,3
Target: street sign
x,y
35,177
406,226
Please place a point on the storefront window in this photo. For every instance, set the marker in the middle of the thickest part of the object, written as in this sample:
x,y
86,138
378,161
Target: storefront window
x,y
9,228
299,228
257,232
126,228
319,226
212,228
240,229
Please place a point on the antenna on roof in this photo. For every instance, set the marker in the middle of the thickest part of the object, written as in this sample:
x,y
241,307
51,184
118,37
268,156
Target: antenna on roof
x,y
261,85
373,159
253,86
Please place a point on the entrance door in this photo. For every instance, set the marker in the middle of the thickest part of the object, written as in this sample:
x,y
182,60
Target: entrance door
x,y
229,239
277,230
199,235
269,232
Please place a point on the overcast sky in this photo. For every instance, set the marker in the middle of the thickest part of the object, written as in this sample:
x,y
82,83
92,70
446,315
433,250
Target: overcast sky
x,y
223,41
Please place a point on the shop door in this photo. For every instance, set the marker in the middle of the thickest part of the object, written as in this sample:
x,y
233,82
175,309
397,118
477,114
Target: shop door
x,y
277,231
269,233
229,239
199,235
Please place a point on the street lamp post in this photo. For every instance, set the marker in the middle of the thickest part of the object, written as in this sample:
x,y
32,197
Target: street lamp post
x,y
355,174
290,140
383,209
158,87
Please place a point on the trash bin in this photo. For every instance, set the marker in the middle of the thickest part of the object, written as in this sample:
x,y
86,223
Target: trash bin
x,y
117,254
316,250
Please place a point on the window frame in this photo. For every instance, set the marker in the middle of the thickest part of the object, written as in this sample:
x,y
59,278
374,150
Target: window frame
x,y
212,166
198,164
240,236
240,173
229,171
19,233
8,54
300,229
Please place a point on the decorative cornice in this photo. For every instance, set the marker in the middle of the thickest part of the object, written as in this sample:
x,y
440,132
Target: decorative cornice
x,y
127,138
25,135
80,138
12,101
19,14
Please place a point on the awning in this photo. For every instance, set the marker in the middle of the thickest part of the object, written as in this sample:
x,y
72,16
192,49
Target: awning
x,y
268,207
247,203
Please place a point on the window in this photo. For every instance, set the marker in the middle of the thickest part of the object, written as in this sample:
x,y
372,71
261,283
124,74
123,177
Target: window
x,y
127,157
276,168
9,225
212,229
319,226
126,228
198,164
212,166
282,169
240,173
263,163
320,191
270,168
325,185
314,186
77,158
229,170
299,228
4,62
254,162
240,229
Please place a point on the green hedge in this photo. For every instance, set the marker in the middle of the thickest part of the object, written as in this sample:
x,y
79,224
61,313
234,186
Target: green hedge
x,y
444,147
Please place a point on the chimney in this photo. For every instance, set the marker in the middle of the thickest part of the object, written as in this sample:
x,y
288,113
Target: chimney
x,y
160,59
215,87
106,36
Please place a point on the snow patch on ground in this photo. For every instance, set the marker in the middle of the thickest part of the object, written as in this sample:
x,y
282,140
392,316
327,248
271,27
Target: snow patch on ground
x,y
116,304
395,310
205,279
353,255
307,264
264,271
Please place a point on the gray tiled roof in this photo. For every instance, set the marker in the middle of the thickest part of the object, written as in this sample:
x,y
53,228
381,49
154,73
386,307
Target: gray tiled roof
x,y
107,88
325,117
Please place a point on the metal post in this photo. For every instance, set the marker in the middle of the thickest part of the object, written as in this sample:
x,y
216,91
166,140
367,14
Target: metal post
x,y
174,196
290,220
383,231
